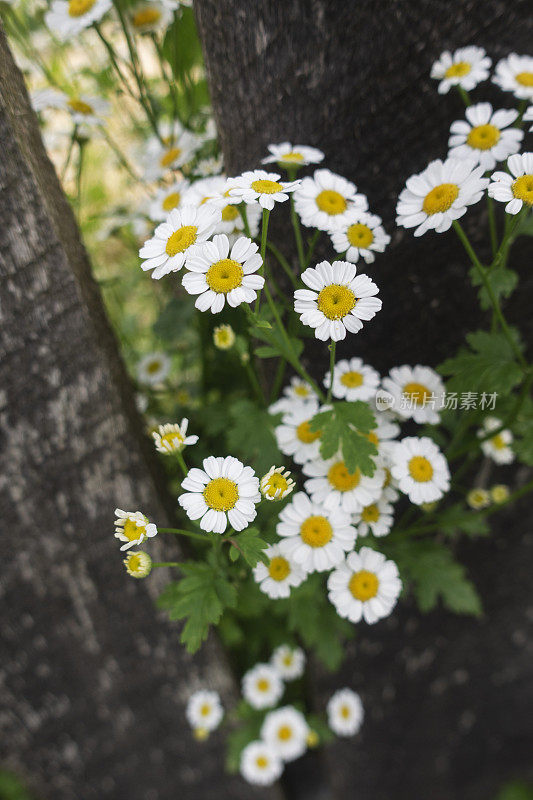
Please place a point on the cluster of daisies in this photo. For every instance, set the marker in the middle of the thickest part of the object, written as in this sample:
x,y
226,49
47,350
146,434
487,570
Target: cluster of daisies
x,y
486,137
284,733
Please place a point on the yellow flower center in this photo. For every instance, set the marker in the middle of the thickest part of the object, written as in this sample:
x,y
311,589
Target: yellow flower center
x,y
341,479
420,469
360,235
483,137
352,379
345,712
316,531
261,762
224,275
171,201
284,733
498,442
80,107
276,483
440,198
370,513
364,585
524,78
293,157
224,337
221,494
153,367
301,391
373,437
132,531
287,660
266,187
262,685
181,239
134,563
523,189
171,155
229,213
331,202
305,434
458,70
416,392
336,301
205,710
146,16
172,441
279,568
77,8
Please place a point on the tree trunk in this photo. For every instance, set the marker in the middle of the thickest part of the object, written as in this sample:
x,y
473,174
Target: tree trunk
x,y
94,681
448,700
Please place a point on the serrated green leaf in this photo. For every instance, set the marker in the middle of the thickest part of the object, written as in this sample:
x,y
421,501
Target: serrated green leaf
x,y
250,435
487,365
503,282
345,427
457,520
251,547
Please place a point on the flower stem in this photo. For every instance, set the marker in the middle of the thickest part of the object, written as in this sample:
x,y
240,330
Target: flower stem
x,y
312,244
165,564
332,349
283,263
181,532
181,462
264,234
464,96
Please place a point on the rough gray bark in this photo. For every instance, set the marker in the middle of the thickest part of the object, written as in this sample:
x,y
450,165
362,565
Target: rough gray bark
x,y
448,700
93,681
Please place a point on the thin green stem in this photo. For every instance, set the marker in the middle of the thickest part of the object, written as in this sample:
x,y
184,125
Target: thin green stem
x,y
264,235
464,96
165,564
181,462
283,263
181,532
311,249
278,379
244,215
121,157
254,382
332,349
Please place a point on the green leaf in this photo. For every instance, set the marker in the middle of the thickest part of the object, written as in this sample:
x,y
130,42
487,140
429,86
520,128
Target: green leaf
x,y
237,740
523,429
345,427
502,280
487,365
277,343
516,790
457,520
251,547
250,436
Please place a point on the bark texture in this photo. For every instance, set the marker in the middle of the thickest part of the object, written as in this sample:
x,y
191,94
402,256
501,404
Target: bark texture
x,y
93,681
448,700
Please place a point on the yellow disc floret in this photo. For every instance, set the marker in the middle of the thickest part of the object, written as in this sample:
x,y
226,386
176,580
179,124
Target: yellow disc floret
x,y
336,301
132,531
441,198
279,568
524,78
316,531
483,137
229,213
364,585
181,239
170,156
284,733
523,189
331,202
171,201
264,186
420,469
458,70
305,434
77,8
416,392
352,379
146,16
370,513
224,275
341,479
221,494
80,107
360,235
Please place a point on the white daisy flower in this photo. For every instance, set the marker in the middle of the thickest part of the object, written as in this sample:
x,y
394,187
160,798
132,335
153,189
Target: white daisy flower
x,y
276,484
204,710
262,187
498,446
217,275
324,200
345,712
172,241
224,337
353,380
420,469
293,155
153,368
88,110
289,661
282,573
478,498
297,393
204,190
361,235
262,686
138,564
515,74
172,437
177,148
232,219
132,527
260,764
333,486
68,18
294,436
314,536
224,490
376,518
383,435
150,17
418,393
286,731
42,99
466,67
485,136
209,166
338,300
516,189
440,194
365,586
166,199
528,116
499,493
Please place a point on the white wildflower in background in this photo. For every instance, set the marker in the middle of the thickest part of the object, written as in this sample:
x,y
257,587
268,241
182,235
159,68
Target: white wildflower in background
x,y
528,116
296,394
150,17
515,74
364,586
314,536
485,136
293,155
204,190
499,493
466,67
172,437
42,99
223,491
262,686
260,764
67,18
345,712
280,575
478,498
516,189
362,235
420,469
223,337
418,393
294,436
138,564
209,166
173,152
133,527
204,710
353,380
498,446
266,188
376,518
338,300
172,241
286,731
324,200
217,275
440,194
276,484
153,368
333,485
166,199
289,661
